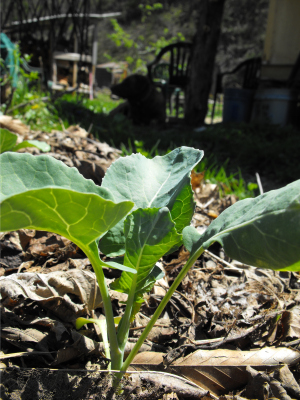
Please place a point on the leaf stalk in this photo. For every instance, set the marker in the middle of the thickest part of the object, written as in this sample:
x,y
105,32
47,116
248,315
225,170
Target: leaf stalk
x,y
123,328
160,308
115,351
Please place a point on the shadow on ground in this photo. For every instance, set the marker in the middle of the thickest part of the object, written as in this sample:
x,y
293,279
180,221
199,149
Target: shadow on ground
x,y
272,151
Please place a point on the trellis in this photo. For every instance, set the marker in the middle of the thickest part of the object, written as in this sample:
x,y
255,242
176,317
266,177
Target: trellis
x,y
43,27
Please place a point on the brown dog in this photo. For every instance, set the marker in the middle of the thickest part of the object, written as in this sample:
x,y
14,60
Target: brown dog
x,y
145,103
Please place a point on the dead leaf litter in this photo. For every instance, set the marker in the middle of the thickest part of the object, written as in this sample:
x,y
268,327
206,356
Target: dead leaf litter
x,y
230,329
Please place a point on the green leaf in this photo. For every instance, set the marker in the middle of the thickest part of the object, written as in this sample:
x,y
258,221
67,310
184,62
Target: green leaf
x,y
22,172
263,232
79,217
82,321
7,140
43,146
44,194
149,233
160,182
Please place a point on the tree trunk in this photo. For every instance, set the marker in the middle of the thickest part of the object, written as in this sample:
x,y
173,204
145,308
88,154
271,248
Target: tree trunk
x,y
205,45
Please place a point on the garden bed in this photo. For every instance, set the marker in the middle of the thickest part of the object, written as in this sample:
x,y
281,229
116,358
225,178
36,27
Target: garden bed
x,y
222,311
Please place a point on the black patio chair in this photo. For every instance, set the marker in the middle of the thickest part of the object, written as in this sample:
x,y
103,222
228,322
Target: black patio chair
x,y
250,70
170,71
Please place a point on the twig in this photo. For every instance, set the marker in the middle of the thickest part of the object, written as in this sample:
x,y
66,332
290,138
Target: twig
x,y
63,126
261,191
289,344
203,206
144,326
25,353
220,259
90,128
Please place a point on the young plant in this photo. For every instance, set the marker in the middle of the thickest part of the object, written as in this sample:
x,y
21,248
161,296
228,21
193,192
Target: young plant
x,y
141,212
8,142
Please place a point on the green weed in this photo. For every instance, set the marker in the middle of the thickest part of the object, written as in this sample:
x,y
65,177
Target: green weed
x,y
228,183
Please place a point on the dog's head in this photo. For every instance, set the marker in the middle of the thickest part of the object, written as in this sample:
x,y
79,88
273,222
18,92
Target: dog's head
x,y
133,87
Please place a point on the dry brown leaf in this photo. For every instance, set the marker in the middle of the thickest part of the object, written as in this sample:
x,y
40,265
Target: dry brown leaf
x,y
13,125
289,383
78,131
23,336
221,370
37,343
268,356
262,386
170,384
46,243
54,290
81,346
196,179
291,324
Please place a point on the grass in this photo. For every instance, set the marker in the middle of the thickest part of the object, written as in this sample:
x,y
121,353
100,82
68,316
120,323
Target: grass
x,y
227,183
233,152
101,104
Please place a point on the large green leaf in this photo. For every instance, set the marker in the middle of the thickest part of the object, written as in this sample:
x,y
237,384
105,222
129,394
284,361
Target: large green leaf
x,y
22,172
80,217
160,182
7,140
263,232
149,233
44,194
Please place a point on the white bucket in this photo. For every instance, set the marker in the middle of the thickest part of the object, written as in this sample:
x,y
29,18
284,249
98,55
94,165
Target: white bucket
x,y
274,106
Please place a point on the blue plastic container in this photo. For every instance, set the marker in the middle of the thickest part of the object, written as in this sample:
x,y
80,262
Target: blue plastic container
x,y
237,105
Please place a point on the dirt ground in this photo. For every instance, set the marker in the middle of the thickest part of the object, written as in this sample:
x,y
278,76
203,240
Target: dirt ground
x,y
230,331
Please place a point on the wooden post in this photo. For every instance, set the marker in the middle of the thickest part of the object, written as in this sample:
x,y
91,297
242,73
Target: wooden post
x,y
75,64
94,59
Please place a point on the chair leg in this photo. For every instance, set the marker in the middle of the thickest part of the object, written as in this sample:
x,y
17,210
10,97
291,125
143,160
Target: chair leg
x,y
214,107
170,103
177,103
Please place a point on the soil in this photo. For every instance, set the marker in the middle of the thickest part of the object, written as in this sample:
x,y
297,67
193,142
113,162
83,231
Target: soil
x,y
221,306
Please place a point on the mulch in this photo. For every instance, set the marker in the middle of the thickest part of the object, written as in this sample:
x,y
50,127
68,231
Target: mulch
x,y
221,305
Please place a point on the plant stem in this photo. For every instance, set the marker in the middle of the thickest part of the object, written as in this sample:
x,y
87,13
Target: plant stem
x,y
160,308
103,329
116,354
123,328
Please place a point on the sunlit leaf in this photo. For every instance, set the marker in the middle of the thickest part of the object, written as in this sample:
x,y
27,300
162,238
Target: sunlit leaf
x,y
158,182
43,146
149,234
7,140
44,194
263,232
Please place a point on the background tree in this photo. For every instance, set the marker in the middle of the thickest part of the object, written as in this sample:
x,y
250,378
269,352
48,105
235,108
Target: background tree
x,y
205,46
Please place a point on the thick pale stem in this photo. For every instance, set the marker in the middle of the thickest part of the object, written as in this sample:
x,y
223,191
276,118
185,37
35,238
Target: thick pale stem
x,y
116,353
160,308
123,328
103,329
